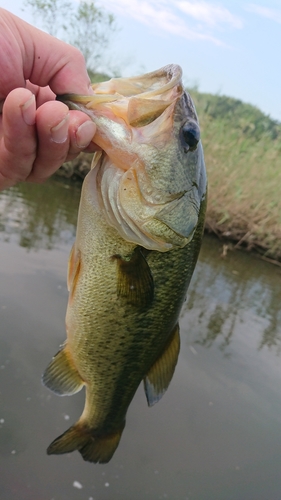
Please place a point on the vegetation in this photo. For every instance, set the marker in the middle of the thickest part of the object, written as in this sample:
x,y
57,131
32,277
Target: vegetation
x,y
82,24
243,157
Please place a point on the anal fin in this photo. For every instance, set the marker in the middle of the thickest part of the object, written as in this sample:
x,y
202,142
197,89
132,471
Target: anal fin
x,y
160,374
61,375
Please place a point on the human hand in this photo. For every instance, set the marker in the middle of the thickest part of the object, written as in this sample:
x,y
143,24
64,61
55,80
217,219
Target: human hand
x,y
37,133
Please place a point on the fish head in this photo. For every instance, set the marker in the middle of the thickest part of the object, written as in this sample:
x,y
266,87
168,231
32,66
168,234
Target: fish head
x,y
151,174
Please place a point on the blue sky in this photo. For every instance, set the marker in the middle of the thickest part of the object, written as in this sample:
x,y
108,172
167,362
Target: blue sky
x,y
226,47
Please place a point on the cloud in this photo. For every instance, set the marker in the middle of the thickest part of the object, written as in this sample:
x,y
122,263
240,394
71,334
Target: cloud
x,y
167,16
210,14
269,13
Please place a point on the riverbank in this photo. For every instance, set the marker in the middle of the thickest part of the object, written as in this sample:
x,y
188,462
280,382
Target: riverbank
x,y
243,157
242,150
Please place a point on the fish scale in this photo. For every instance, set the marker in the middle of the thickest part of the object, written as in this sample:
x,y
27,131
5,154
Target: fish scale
x,y
133,258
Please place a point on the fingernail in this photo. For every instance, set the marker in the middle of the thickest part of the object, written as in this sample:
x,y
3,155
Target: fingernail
x,y
59,133
85,134
28,110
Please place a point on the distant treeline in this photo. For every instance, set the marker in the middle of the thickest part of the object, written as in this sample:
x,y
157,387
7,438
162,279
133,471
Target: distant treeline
x,y
246,118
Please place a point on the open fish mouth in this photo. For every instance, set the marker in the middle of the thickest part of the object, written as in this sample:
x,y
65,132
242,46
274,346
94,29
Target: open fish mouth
x,y
138,100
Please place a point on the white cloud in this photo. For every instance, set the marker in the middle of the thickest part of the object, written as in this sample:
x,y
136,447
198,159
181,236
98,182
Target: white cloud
x,y
169,16
211,14
269,13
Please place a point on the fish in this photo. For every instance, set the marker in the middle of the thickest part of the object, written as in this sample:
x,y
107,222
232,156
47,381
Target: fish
x,y
139,231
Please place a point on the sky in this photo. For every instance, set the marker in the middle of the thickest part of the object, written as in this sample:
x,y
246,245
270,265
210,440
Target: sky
x,y
224,47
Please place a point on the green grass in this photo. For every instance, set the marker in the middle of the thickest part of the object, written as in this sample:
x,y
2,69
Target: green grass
x,y
242,149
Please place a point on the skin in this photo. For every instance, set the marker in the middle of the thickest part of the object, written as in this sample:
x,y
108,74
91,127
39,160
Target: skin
x,y
37,133
127,286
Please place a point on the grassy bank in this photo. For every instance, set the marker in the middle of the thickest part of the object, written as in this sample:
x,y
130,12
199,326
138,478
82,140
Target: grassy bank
x,y
243,157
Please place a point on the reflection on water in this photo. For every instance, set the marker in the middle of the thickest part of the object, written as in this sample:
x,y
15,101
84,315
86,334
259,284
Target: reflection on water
x,y
39,216
215,435
225,290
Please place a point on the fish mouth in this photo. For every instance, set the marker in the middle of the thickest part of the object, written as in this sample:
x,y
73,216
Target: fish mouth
x,y
137,100
134,111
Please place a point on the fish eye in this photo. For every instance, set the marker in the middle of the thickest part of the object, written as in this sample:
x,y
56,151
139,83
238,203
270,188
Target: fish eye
x,y
191,135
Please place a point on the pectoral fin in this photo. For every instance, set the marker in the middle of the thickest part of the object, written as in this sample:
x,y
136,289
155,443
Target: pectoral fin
x,y
61,375
160,374
134,280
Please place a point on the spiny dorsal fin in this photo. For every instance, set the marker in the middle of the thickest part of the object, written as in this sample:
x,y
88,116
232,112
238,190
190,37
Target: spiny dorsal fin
x,y
135,281
160,374
61,375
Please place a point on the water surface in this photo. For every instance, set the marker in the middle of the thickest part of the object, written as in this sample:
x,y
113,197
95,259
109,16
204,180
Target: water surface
x,y
215,435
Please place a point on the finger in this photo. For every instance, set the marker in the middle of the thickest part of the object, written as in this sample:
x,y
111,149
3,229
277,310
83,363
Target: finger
x,y
59,65
30,54
50,61
79,138
18,143
60,137
42,94
81,134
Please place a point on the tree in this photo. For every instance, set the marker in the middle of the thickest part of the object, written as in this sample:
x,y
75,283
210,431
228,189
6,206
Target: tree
x,y
83,25
90,31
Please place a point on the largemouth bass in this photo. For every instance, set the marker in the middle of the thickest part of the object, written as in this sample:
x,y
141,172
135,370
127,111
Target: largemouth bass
x,y
139,231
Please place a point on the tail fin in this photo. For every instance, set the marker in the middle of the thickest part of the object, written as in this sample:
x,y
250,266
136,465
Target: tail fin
x,y
94,447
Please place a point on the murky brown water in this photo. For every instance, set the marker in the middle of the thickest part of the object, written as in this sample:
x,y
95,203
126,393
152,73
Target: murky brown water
x,y
215,435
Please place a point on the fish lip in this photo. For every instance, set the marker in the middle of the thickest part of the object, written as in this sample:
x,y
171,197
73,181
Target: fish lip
x,y
71,104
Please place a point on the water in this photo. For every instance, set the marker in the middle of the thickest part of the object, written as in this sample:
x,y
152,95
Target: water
x,y
215,435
